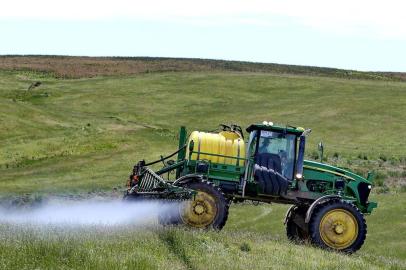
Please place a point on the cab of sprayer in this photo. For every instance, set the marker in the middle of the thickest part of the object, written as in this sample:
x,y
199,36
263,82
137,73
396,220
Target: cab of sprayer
x,y
278,148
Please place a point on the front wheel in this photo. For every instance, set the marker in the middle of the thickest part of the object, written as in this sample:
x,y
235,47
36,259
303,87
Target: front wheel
x,y
296,228
209,209
338,225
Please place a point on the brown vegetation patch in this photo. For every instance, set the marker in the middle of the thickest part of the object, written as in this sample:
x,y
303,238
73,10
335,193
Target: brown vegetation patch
x,y
82,67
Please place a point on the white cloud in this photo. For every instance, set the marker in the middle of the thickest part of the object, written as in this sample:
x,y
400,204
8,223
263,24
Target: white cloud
x,y
377,19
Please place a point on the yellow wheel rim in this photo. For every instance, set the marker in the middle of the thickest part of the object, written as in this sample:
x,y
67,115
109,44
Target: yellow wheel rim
x,y
200,212
338,229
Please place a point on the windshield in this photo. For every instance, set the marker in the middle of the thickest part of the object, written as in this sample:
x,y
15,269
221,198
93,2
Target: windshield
x,y
252,143
282,145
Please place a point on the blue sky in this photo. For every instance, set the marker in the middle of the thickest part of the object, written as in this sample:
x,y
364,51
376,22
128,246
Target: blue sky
x,y
339,34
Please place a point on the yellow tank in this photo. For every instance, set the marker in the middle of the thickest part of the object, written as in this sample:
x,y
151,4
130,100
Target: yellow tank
x,y
225,143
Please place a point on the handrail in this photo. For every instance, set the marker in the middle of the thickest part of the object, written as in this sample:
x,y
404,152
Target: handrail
x,y
171,167
217,155
164,158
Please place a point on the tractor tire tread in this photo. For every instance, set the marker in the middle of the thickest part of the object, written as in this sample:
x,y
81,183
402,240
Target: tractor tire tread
x,y
314,225
223,200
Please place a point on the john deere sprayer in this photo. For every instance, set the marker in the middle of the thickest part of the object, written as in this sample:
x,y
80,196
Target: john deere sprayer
x,y
214,169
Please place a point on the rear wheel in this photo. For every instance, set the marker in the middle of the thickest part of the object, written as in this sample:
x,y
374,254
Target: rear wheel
x,y
209,209
338,225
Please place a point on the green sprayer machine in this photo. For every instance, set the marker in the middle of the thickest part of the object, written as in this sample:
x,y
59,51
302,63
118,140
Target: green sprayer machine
x,y
214,169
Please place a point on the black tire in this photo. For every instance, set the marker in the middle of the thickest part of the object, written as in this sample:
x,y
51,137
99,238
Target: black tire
x,y
294,232
219,201
259,178
337,207
269,181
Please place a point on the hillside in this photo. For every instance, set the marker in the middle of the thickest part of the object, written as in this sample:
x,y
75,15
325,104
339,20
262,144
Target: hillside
x,y
85,67
77,134
108,123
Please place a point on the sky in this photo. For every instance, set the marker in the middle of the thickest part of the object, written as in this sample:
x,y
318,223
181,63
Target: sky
x,y
362,35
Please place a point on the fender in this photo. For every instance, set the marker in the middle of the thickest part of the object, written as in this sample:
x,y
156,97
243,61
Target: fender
x,y
187,179
317,202
288,213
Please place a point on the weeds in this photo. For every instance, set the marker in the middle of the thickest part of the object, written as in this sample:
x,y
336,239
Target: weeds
x,y
314,155
383,157
362,156
245,247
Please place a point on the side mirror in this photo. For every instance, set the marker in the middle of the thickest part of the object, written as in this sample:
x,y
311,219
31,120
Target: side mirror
x,y
300,158
320,147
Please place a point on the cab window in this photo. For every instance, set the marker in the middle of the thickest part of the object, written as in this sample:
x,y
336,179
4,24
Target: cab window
x,y
282,145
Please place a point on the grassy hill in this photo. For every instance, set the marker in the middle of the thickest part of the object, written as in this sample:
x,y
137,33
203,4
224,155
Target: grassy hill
x,y
85,67
88,120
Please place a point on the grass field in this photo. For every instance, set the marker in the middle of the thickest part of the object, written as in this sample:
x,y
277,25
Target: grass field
x,y
75,136
253,238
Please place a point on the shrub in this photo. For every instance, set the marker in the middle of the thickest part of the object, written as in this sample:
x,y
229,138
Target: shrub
x,y
362,156
394,161
379,182
394,173
245,247
379,178
314,155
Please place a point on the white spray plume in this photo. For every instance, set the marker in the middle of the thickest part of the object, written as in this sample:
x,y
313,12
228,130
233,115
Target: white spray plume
x,y
82,213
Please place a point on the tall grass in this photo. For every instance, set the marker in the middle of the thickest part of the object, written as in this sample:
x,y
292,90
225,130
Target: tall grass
x,y
253,238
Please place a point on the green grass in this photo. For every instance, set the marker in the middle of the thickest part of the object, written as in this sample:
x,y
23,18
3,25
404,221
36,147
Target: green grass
x,y
253,238
84,135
